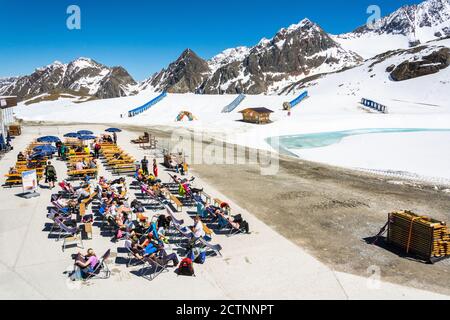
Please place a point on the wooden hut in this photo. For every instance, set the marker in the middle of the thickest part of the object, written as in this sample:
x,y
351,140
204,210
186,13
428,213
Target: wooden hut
x,y
256,115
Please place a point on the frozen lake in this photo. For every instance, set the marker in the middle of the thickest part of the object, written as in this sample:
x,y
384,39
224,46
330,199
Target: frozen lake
x,y
423,152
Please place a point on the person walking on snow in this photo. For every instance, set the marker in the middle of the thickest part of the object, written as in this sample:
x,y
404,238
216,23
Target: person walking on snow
x,y
155,168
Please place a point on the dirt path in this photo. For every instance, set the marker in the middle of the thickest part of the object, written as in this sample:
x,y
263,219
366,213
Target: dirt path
x,y
330,211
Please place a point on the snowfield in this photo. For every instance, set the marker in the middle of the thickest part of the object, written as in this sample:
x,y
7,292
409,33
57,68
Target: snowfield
x,y
333,105
426,154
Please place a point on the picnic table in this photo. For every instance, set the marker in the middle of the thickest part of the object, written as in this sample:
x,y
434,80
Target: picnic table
x,y
82,173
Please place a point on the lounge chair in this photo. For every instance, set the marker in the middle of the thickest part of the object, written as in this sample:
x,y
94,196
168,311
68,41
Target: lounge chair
x,y
212,247
131,255
53,215
70,235
147,264
62,210
102,213
154,266
175,221
101,271
233,230
142,139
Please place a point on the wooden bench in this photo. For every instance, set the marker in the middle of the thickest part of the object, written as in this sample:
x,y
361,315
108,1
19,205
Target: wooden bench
x,y
111,161
14,179
85,203
176,201
21,169
88,230
10,182
207,197
82,173
124,165
79,158
110,156
112,150
119,171
119,162
33,162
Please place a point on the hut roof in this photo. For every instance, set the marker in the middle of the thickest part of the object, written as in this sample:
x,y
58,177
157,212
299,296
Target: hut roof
x,y
257,110
8,101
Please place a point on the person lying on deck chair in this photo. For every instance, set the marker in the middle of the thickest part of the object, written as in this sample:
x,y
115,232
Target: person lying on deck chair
x,y
78,149
197,230
84,265
163,223
118,185
153,251
81,194
236,222
186,184
66,186
163,258
159,190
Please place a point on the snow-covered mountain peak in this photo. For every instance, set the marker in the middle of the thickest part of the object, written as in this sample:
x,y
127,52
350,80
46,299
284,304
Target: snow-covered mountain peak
x,y
228,56
305,23
406,27
82,76
293,53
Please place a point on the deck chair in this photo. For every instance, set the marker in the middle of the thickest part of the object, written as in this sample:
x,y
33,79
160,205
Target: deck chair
x,y
99,193
184,232
233,230
65,190
155,267
101,271
148,195
53,215
175,222
102,213
132,256
62,210
174,219
70,235
216,248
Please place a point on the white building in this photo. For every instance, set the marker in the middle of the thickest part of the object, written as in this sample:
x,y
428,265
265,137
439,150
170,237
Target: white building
x,y
7,105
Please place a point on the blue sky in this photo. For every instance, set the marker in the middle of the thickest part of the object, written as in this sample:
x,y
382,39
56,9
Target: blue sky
x,y
144,36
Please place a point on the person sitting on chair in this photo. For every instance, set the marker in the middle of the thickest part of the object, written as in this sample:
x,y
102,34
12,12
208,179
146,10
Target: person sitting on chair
x,y
82,194
84,265
197,229
20,157
13,170
79,166
163,258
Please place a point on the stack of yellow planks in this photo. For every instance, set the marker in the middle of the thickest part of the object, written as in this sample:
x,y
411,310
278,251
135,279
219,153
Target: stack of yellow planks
x,y
420,235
